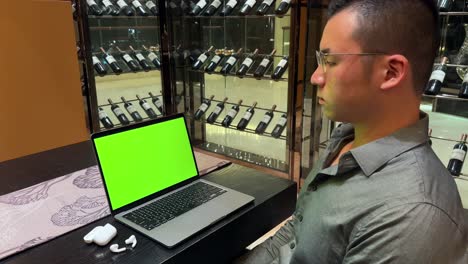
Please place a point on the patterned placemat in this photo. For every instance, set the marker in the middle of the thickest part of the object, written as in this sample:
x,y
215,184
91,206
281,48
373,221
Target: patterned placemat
x,y
36,214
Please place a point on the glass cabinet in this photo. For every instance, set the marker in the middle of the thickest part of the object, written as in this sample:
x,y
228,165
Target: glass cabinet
x,y
231,76
228,65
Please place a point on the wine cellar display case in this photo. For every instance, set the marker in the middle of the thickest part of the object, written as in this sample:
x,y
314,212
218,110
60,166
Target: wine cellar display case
x,y
147,58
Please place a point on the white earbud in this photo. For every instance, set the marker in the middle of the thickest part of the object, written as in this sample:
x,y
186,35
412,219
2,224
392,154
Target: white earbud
x,y
115,248
131,240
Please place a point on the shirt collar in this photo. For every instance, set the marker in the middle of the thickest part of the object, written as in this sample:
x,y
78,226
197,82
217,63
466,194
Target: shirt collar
x,y
375,154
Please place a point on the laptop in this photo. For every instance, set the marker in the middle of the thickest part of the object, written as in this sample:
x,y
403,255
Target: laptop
x,y
152,183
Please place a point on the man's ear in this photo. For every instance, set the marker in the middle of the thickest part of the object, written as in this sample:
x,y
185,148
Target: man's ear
x,y
396,69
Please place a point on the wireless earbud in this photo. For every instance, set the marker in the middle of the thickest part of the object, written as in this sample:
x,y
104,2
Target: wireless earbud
x,y
131,240
115,248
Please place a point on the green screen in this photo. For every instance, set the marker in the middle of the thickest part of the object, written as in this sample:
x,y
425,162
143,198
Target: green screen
x,y
139,162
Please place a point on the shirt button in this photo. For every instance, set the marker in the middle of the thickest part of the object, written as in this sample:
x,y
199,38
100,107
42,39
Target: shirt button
x,y
292,245
299,217
312,187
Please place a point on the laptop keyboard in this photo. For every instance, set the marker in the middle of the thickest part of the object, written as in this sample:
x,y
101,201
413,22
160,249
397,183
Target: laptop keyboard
x,y
173,205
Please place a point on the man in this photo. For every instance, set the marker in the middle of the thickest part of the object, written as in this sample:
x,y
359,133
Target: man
x,y
379,194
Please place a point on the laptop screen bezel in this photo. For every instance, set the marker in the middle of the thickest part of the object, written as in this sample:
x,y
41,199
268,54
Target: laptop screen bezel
x,y
136,126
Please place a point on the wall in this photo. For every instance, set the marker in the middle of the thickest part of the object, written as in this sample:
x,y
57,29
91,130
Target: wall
x,y
42,106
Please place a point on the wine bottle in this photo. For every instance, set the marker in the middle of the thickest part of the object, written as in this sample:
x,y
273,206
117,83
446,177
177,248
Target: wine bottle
x,y
139,8
248,5
201,59
283,7
198,8
455,164
131,63
124,8
445,5
212,8
152,7
110,8
247,117
104,118
112,62
179,56
94,9
434,85
186,8
278,130
231,114
227,9
153,58
262,126
264,6
280,68
141,59
219,54
131,110
264,65
463,93
230,63
118,113
214,115
146,107
203,107
98,66
157,102
246,64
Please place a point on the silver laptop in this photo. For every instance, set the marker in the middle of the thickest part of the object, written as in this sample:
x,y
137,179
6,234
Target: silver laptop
x,y
152,183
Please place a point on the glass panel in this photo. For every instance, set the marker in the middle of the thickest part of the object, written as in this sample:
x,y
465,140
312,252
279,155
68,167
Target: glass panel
x,y
234,38
124,49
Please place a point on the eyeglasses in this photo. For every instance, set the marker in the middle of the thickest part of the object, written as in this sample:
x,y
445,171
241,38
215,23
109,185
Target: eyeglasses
x,y
323,58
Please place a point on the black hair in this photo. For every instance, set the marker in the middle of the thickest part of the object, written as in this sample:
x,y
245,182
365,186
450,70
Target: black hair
x,y
406,27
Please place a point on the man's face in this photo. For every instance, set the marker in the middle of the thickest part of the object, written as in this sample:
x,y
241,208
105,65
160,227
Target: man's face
x,y
345,90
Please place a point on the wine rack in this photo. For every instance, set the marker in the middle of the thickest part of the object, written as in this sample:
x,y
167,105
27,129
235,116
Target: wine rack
x,y
230,33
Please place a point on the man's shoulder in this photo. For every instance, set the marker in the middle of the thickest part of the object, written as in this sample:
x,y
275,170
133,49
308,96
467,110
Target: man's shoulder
x,y
423,180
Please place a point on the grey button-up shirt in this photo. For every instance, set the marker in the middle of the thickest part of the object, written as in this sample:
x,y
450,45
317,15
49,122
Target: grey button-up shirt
x,y
389,201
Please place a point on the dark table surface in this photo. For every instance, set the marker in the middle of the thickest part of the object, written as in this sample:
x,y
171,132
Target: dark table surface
x,y
275,200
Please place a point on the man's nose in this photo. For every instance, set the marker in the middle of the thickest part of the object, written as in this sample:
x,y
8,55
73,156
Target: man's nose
x,y
318,78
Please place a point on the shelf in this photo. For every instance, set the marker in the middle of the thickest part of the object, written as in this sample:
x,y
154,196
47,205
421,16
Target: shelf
x,y
234,127
453,13
247,76
110,72
122,17
247,106
445,96
454,65
235,17
123,27
102,128
131,100
245,156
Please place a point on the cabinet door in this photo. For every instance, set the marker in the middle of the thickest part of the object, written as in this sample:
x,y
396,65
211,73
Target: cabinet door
x,y
209,45
123,57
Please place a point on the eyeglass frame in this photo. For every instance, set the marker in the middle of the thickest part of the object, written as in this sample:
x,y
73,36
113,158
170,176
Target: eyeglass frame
x,y
320,56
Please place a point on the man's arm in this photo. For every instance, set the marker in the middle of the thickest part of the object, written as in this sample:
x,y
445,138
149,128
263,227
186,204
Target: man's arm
x,y
411,233
268,251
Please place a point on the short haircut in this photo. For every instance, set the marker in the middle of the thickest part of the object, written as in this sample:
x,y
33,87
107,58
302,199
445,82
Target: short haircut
x,y
406,27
